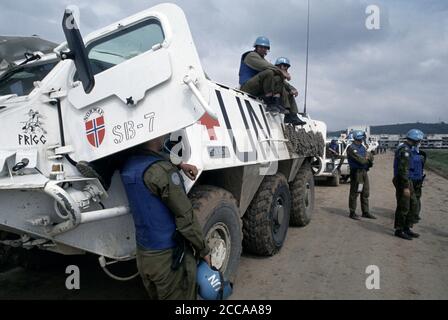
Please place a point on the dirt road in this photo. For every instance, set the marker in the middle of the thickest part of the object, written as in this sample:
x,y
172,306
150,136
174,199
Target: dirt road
x,y
325,260
328,258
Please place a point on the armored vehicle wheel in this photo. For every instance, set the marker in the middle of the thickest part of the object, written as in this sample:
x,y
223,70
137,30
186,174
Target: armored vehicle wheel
x,y
302,192
334,180
219,216
266,221
316,165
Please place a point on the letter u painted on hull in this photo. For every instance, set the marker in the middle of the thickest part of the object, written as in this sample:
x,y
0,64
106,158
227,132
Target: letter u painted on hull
x,y
243,156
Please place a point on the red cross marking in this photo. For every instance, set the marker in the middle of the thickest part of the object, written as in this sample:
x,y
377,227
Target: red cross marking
x,y
210,124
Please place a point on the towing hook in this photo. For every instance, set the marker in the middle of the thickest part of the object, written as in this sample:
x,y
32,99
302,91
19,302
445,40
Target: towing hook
x,y
21,164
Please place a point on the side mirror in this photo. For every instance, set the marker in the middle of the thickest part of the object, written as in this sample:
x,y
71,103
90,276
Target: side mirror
x,y
78,51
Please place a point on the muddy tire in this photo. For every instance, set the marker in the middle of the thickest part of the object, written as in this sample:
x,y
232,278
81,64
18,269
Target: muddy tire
x,y
219,216
335,180
302,194
266,221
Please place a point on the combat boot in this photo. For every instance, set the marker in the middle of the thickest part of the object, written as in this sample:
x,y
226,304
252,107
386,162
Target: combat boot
x,y
401,234
411,233
270,105
368,216
294,120
354,216
278,103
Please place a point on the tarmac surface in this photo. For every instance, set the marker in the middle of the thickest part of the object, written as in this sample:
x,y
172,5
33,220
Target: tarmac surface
x,y
325,260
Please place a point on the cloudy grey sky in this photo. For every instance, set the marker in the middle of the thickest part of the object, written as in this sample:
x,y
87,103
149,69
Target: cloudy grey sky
x,y
396,74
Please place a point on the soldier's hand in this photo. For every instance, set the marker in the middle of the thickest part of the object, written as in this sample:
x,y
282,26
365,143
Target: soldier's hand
x,y
286,75
295,93
190,170
208,259
407,193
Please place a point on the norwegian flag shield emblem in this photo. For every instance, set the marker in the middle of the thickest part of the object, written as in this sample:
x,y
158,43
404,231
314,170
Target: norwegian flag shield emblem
x,y
95,128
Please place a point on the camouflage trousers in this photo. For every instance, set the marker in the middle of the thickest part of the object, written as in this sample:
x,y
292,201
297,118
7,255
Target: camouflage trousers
x,y
358,177
161,282
289,102
408,208
264,82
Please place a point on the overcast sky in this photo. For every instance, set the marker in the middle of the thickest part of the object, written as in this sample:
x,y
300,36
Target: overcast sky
x,y
396,74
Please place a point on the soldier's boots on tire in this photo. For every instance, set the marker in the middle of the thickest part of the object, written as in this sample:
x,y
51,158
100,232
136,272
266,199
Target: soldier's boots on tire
x,y
411,233
401,234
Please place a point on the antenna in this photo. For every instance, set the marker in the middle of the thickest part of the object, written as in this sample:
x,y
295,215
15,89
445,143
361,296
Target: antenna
x,y
307,53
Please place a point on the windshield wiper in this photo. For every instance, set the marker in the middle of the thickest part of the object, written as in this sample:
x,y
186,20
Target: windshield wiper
x,y
110,53
30,57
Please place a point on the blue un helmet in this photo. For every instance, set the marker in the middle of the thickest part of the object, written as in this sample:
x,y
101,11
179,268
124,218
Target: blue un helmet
x,y
415,135
262,42
359,135
282,60
212,285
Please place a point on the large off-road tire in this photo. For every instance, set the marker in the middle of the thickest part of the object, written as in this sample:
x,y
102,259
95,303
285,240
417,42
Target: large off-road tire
x,y
219,216
316,165
335,180
302,194
266,221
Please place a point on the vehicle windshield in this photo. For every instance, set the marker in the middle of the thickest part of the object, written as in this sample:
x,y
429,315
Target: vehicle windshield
x,y
20,81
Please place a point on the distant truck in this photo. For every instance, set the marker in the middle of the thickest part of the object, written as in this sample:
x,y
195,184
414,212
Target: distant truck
x,y
133,81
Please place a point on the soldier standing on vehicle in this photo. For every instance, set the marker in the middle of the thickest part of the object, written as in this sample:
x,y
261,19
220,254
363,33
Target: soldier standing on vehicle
x,y
360,161
289,94
408,180
168,235
260,78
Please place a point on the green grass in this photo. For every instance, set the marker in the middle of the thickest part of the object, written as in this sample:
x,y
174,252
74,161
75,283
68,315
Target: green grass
x,y
438,161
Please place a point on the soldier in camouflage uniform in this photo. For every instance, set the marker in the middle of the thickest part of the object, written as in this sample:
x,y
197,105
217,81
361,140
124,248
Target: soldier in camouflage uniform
x,y
408,180
289,95
260,78
360,161
168,235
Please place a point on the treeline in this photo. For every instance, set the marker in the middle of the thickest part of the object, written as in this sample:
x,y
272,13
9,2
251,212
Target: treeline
x,y
403,128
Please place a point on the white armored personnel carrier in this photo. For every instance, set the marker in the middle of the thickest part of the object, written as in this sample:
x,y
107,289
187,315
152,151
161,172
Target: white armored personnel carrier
x,y
133,81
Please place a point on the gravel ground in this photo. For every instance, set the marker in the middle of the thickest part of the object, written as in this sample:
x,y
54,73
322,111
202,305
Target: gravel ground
x,y
325,260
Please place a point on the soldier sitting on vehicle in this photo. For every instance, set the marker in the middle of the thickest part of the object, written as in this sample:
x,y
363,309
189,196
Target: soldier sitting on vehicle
x,y
289,94
260,78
